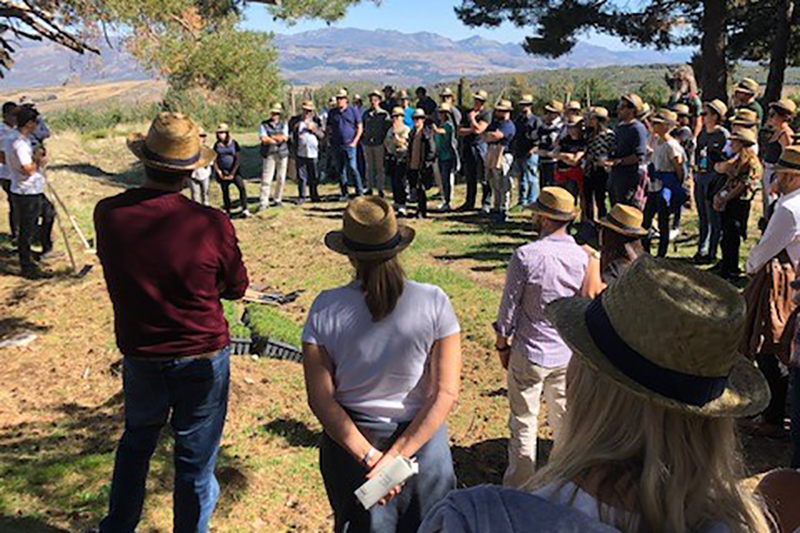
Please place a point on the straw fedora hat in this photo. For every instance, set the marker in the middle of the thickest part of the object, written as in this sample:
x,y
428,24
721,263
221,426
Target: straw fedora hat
x,y
785,104
555,203
790,159
682,110
745,117
172,143
447,91
375,92
403,95
526,99
748,86
223,127
574,105
504,105
398,111
341,94
684,356
665,116
635,100
370,231
419,113
717,106
480,95
554,106
625,220
599,112
571,122
646,111
308,105
277,109
745,136
201,131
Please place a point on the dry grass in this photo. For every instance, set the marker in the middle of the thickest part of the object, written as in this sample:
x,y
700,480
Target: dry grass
x,y
60,407
49,99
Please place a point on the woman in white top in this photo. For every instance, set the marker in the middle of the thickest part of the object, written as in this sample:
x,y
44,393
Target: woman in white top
x,y
382,359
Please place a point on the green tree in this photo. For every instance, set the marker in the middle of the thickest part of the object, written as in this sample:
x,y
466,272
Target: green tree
x,y
294,10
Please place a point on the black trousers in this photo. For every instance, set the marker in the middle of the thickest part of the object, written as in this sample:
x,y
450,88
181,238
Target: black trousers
x,y
226,195
656,205
397,173
777,376
29,208
418,180
475,173
12,219
734,228
594,188
307,175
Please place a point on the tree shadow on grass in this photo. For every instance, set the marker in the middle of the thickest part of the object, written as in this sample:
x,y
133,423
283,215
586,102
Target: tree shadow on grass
x,y
132,177
62,468
10,524
295,432
486,461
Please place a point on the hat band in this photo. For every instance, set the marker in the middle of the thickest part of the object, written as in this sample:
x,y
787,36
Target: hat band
x,y
617,224
549,210
685,388
151,155
363,247
788,164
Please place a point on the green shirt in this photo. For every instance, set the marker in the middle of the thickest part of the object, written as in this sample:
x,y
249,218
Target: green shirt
x,y
444,142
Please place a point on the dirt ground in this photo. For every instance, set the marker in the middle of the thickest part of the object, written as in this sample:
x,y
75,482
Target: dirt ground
x,y
60,401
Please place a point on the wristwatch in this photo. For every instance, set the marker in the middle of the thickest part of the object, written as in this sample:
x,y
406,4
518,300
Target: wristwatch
x,y
368,456
504,349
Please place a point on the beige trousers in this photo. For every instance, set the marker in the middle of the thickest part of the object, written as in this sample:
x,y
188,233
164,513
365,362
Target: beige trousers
x,y
275,167
374,156
500,181
526,384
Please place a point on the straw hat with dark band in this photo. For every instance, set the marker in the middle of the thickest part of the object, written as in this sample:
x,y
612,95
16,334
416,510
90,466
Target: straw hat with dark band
x,y
447,91
682,110
377,93
172,144
745,136
504,105
717,106
785,105
684,356
665,116
790,159
747,86
308,105
527,99
554,107
370,231
625,220
480,95
745,117
398,112
555,203
635,100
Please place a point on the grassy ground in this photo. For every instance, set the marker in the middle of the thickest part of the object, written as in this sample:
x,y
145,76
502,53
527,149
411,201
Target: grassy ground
x,y
60,402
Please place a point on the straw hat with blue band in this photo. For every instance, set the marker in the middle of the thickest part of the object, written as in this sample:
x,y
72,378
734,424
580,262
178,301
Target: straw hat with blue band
x,y
790,159
684,356
555,203
172,143
370,231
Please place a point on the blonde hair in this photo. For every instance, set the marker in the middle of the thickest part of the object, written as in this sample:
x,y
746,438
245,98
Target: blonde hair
x,y
382,282
678,471
686,73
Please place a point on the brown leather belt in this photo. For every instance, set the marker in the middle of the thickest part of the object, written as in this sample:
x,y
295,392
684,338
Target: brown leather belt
x,y
209,355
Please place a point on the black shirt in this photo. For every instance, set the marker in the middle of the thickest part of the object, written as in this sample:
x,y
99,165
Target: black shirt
x,y
527,136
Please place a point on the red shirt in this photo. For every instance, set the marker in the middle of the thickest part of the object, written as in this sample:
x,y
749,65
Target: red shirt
x,y
167,262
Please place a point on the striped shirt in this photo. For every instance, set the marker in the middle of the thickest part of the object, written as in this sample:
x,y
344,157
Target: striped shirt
x,y
550,268
599,146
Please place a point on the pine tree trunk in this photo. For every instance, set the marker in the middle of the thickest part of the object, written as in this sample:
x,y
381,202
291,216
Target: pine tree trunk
x,y
714,79
780,49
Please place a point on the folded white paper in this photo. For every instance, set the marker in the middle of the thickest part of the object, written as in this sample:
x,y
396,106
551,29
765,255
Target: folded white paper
x,y
397,472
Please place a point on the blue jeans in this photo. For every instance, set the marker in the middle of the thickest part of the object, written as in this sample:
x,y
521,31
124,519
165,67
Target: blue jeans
x,y
709,221
527,171
345,158
193,396
794,402
343,474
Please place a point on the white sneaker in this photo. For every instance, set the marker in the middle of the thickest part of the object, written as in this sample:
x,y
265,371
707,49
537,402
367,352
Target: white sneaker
x,y
402,211
674,234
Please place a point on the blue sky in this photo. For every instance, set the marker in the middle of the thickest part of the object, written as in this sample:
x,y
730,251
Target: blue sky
x,y
408,16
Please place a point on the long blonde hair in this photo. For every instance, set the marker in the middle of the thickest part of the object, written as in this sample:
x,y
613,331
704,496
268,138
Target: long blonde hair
x,y
680,470
382,282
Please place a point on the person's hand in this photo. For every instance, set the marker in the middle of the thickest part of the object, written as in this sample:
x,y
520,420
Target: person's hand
x,y
381,461
473,114
353,144
504,355
719,204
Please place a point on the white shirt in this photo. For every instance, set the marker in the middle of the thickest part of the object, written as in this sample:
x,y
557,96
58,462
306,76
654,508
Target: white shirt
x,y
381,368
5,131
782,233
202,173
19,153
308,142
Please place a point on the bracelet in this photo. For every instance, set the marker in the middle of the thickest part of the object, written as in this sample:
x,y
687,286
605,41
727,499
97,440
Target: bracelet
x,y
368,456
504,349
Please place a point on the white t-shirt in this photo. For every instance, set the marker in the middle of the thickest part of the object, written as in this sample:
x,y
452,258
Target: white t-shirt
x,y
664,154
381,368
19,152
5,131
202,173
307,141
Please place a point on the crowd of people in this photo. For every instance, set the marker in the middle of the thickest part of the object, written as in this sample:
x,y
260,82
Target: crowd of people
x,y
642,411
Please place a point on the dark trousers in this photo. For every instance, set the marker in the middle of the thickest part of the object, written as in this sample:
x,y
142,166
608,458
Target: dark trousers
x,y
418,181
12,219
624,184
226,194
307,175
29,208
446,170
594,189
192,395
734,228
397,173
475,173
547,174
777,376
657,205
343,474
794,380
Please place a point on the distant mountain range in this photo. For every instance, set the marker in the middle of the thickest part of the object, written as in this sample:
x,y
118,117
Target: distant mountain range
x,y
330,54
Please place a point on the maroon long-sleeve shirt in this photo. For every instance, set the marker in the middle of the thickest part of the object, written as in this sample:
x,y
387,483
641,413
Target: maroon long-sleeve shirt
x,y
167,262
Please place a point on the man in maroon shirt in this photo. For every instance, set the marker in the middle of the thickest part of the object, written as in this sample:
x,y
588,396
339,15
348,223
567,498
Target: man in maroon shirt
x,y
167,262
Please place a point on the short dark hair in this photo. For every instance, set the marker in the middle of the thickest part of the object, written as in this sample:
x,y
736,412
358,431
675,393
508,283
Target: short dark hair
x,y
9,107
26,114
422,90
166,176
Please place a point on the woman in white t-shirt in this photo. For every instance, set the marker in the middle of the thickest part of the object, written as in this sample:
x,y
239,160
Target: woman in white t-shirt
x,y
667,194
382,359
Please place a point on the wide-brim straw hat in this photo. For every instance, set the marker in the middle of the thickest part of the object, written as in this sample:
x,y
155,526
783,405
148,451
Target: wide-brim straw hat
x,y
790,159
555,203
682,110
573,122
745,117
172,143
370,231
223,127
599,112
635,100
746,136
646,111
419,113
375,92
277,109
574,105
447,91
554,106
665,116
718,106
398,111
504,105
403,95
480,95
308,105
786,105
526,99
341,94
625,220
668,333
748,86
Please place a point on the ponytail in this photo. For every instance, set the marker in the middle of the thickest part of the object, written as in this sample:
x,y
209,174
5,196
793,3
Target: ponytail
x,y
382,282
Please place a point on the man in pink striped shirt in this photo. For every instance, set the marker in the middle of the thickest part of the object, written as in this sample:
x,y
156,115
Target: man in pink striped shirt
x,y
529,347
